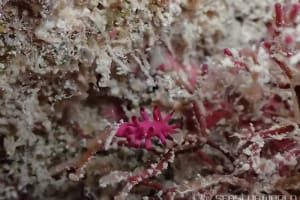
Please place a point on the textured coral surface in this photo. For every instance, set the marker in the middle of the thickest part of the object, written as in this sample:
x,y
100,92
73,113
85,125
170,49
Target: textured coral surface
x,y
78,77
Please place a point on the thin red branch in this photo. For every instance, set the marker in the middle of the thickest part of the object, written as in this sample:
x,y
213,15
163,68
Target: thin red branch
x,y
200,118
284,68
95,145
208,161
215,146
155,185
278,15
155,170
277,131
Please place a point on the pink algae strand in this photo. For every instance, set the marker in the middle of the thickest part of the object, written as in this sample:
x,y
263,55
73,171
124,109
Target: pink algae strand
x,y
227,52
278,15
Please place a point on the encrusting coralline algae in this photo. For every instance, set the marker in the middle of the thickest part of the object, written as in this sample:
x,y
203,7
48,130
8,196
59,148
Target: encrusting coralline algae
x,y
77,79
